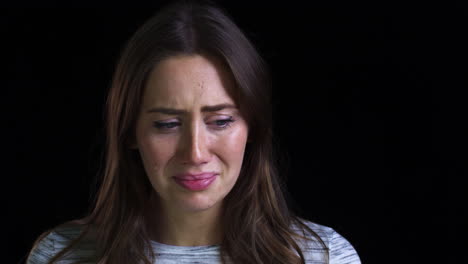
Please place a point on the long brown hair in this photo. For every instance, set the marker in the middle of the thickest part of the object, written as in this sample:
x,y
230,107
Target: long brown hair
x,y
259,226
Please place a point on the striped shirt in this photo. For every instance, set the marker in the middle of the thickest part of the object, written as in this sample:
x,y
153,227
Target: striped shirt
x,y
340,250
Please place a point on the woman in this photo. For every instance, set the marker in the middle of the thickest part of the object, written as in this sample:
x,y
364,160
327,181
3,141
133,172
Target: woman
x,y
189,174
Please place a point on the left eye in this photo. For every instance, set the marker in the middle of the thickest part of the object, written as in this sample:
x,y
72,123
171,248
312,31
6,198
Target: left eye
x,y
224,123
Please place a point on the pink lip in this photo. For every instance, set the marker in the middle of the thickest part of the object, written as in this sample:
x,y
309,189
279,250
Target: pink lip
x,y
195,182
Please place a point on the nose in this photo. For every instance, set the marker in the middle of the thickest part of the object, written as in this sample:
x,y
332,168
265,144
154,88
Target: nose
x,y
193,147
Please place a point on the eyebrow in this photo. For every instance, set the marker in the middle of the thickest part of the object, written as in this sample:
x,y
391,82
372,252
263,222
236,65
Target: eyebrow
x,y
207,108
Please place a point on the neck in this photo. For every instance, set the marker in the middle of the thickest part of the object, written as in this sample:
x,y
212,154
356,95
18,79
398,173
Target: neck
x,y
174,227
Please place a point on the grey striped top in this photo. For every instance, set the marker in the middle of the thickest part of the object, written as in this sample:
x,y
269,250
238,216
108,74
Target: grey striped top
x,y
340,250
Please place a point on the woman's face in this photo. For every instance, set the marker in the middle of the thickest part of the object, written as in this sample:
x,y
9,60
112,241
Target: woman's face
x,y
189,124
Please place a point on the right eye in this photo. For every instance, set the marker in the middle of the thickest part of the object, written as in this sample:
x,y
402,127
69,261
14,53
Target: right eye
x,y
165,125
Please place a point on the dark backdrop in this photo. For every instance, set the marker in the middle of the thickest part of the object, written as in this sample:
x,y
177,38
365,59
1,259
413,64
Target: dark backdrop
x,y
368,100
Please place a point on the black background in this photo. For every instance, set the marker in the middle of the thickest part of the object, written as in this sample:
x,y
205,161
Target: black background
x,y
369,106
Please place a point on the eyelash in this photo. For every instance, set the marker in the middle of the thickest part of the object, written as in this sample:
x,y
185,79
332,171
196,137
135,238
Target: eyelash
x,y
170,125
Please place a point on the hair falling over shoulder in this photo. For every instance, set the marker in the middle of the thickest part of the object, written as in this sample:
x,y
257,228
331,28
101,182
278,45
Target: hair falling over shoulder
x,y
258,228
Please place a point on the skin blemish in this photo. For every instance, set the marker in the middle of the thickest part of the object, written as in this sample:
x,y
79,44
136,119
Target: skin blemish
x,y
202,88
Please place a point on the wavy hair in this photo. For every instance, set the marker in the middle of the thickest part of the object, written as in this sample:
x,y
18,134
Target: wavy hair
x,y
259,228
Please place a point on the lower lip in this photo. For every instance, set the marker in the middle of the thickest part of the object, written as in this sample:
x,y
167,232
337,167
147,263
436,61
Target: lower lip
x,y
196,185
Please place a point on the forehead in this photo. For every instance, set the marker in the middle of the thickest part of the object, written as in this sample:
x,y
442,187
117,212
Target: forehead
x,y
183,81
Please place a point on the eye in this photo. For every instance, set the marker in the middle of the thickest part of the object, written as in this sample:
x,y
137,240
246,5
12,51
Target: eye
x,y
171,126
165,125
224,123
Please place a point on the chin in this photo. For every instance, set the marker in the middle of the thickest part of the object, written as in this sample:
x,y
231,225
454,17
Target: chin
x,y
198,203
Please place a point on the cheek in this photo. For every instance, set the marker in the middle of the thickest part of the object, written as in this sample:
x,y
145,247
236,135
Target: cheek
x,y
232,147
155,153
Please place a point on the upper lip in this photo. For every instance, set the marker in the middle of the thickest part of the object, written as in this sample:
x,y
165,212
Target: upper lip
x,y
193,176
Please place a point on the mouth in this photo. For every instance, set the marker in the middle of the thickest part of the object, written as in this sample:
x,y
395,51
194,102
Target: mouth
x,y
197,182
199,176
